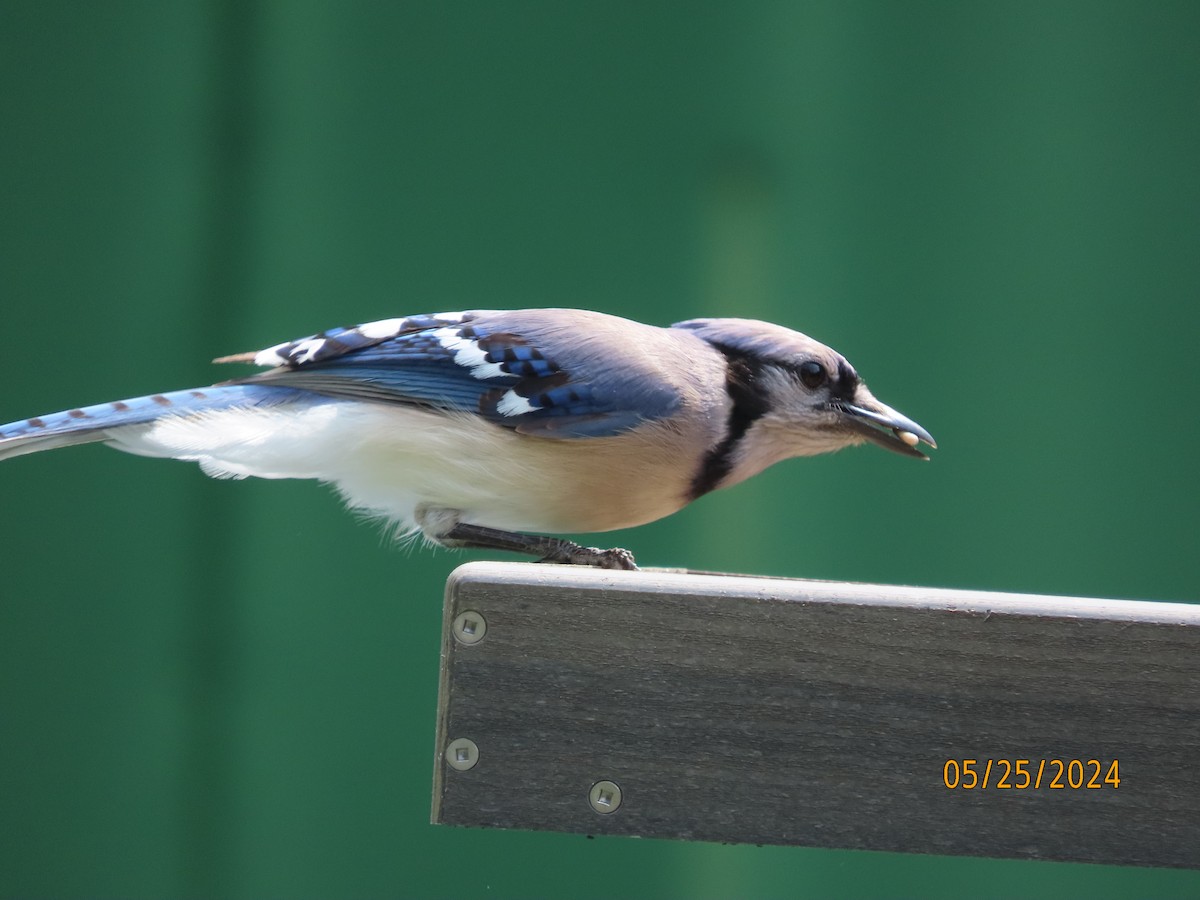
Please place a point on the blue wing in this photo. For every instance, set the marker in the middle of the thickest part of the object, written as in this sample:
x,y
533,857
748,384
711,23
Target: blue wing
x,y
552,373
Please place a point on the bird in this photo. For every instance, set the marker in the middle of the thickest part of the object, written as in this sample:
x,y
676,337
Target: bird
x,y
498,429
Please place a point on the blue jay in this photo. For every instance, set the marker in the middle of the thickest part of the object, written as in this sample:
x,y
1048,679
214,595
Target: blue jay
x,y
472,428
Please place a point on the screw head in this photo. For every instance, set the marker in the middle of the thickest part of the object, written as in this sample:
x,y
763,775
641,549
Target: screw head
x,y
462,754
605,797
469,627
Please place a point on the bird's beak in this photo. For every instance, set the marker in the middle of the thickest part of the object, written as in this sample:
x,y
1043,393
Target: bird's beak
x,y
882,425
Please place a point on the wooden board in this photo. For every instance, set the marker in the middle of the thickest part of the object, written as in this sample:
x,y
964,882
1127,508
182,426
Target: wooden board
x,y
822,714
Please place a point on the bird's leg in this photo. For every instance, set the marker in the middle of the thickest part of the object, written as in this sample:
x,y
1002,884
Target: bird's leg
x,y
548,549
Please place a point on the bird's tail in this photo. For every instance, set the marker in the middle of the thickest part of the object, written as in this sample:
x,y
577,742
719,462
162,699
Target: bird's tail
x,y
104,421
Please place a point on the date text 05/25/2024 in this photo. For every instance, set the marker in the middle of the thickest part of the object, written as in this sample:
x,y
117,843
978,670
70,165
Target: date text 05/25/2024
x,y
1031,774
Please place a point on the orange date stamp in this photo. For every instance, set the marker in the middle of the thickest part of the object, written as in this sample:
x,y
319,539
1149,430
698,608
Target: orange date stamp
x,y
1031,774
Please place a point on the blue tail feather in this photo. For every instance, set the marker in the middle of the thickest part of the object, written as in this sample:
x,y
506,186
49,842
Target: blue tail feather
x,y
90,423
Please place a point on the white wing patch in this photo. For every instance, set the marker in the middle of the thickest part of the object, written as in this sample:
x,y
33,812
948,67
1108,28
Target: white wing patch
x,y
381,330
272,355
305,351
467,353
513,404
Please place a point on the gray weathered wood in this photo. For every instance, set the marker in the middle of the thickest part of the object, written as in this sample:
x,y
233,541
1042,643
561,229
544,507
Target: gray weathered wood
x,y
822,714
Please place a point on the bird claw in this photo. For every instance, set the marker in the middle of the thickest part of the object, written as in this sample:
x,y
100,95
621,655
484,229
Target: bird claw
x,y
576,555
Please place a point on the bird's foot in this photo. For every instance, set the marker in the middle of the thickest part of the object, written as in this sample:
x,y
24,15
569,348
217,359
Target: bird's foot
x,y
572,554
547,549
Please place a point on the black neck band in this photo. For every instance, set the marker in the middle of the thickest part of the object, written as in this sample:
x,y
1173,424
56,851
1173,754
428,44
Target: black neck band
x,y
748,399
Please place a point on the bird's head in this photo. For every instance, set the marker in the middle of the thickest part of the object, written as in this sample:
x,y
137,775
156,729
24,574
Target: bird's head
x,y
793,396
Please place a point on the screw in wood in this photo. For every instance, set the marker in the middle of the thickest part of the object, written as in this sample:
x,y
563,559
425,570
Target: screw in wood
x,y
462,754
605,797
469,627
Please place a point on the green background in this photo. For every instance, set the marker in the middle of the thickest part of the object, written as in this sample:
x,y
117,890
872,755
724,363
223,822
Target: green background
x,y
228,689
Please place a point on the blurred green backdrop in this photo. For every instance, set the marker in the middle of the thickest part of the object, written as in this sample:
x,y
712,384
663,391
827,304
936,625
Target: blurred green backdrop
x,y
220,689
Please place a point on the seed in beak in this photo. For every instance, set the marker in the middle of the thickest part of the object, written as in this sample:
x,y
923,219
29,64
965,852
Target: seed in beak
x,y
908,437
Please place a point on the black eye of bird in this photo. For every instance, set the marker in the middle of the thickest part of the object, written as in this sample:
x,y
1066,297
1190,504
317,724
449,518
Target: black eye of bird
x,y
812,374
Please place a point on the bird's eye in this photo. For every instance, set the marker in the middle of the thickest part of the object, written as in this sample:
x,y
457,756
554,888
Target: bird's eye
x,y
812,374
